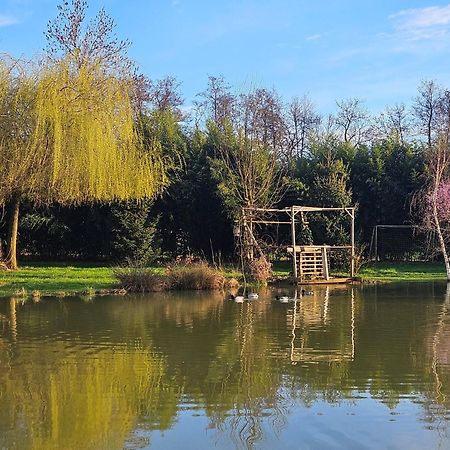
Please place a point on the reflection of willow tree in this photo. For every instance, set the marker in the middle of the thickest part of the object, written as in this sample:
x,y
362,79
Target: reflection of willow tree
x,y
67,398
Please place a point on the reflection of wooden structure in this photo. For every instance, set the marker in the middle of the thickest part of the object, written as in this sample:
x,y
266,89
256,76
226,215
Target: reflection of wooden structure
x,y
310,262
314,333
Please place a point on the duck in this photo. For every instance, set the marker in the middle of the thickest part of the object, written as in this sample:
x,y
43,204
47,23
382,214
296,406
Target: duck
x,y
237,298
307,292
282,298
253,296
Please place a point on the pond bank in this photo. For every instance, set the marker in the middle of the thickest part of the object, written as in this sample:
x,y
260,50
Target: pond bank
x,y
90,279
70,279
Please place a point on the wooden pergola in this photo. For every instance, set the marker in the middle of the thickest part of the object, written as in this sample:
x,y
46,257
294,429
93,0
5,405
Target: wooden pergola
x,y
310,262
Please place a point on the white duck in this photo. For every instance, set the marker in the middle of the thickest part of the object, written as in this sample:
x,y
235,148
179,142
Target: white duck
x,y
237,298
253,296
282,298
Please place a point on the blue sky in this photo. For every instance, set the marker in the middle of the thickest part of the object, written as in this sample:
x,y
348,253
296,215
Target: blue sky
x,y
330,49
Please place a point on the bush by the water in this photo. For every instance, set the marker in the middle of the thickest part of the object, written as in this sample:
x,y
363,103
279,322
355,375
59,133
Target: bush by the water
x,y
139,279
260,269
197,276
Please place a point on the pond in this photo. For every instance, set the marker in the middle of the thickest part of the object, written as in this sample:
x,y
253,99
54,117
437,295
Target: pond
x,y
346,367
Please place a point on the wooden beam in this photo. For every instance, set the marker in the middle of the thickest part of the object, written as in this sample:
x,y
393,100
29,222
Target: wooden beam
x,y
329,247
272,222
263,209
397,226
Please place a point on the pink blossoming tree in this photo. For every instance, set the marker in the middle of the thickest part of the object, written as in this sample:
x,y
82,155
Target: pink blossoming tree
x,y
436,199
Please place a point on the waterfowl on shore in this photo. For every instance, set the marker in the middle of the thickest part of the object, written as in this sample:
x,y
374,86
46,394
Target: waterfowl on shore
x,y
307,292
237,298
253,296
282,298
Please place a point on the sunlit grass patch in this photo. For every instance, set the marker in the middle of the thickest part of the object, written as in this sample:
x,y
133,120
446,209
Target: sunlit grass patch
x,y
403,271
51,278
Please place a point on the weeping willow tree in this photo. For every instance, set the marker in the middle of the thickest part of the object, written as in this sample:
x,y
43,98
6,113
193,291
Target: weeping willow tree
x,y
70,134
73,126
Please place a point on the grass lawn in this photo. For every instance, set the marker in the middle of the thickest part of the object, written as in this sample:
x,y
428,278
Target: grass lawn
x,y
56,277
383,271
404,271
64,279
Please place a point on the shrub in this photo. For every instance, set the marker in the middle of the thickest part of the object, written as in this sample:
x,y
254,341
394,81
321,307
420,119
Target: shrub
x,y
196,276
138,279
260,269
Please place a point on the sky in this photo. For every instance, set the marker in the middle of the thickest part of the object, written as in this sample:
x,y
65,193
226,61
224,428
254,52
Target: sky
x,y
377,51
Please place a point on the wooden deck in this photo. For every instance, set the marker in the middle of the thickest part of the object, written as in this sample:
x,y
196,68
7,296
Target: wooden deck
x,y
329,281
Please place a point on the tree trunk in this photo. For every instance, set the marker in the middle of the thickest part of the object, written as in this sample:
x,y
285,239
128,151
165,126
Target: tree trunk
x,y
13,228
441,239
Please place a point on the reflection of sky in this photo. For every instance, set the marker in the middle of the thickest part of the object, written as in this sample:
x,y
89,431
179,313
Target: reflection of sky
x,y
351,425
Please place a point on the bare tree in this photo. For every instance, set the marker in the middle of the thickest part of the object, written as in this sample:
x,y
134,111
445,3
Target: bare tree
x,y
260,113
93,42
352,121
164,95
434,201
249,147
397,120
425,109
301,121
217,100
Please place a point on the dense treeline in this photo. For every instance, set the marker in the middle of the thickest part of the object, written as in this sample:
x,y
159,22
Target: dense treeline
x,y
344,159
108,165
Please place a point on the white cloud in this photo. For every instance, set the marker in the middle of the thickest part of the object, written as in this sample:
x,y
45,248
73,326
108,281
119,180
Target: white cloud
x,y
7,20
313,37
432,22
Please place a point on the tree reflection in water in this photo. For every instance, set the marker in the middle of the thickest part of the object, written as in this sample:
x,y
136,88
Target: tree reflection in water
x,y
98,375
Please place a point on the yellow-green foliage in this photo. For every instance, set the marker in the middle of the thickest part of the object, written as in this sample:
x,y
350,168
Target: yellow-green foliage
x,y
17,114
72,136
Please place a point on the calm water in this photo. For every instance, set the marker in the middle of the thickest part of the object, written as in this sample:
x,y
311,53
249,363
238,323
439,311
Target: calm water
x,y
345,368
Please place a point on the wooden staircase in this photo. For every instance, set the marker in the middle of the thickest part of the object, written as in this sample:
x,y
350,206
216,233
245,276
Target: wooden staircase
x,y
312,263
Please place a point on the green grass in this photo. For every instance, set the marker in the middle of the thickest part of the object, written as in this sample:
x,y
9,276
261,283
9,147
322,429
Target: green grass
x,y
382,271
282,269
403,271
50,278
64,279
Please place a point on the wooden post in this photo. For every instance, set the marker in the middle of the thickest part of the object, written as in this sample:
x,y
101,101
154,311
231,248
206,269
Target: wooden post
x,y
293,241
352,235
251,254
376,243
326,274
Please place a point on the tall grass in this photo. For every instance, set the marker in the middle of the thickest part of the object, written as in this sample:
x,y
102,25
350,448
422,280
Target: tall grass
x,y
196,276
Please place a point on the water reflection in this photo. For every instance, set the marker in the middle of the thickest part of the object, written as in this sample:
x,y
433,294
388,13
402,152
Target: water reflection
x,y
149,371
310,319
